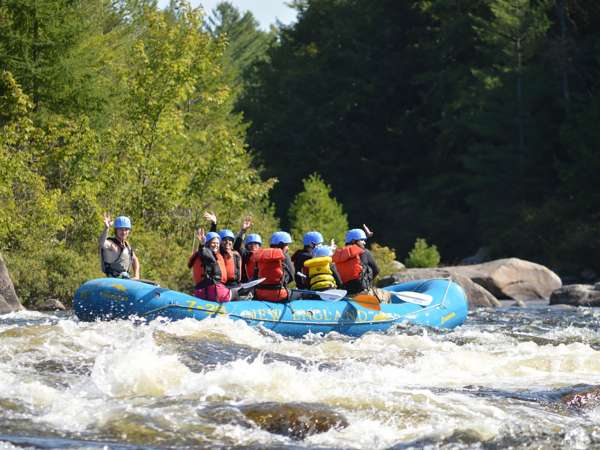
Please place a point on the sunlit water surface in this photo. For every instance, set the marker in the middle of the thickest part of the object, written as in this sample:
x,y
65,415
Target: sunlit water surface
x,y
495,382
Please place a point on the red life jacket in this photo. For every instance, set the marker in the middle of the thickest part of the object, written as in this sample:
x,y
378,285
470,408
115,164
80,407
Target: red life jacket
x,y
268,263
347,261
233,266
248,268
199,271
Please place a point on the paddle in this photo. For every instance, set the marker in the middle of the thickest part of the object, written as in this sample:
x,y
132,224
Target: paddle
x,y
252,283
330,295
367,301
414,297
372,302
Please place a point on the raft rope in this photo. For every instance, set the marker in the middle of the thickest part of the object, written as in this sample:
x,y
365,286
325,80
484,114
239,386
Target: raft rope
x,y
443,302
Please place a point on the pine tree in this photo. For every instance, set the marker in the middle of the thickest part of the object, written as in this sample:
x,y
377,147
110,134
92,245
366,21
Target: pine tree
x,y
246,43
315,209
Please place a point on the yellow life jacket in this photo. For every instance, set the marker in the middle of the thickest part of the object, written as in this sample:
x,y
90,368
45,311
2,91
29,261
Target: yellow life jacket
x,y
320,276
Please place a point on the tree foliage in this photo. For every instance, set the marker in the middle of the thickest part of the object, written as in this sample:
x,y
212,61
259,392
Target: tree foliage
x,y
166,145
315,209
423,255
466,122
246,43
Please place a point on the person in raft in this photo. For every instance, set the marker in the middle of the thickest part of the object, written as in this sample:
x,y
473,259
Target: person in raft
x,y
231,256
252,242
311,240
356,265
208,269
117,257
232,259
320,273
273,264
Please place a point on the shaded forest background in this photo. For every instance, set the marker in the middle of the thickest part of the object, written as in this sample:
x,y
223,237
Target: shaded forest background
x,y
473,124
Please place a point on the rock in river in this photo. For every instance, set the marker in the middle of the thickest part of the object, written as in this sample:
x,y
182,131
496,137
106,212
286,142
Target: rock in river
x,y
295,420
577,295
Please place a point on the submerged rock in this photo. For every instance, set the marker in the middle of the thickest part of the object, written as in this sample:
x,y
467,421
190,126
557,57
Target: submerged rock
x,y
588,399
577,295
9,301
51,304
295,420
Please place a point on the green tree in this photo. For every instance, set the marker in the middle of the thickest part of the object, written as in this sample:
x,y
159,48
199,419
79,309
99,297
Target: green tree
x,y
423,255
168,147
62,52
385,258
315,209
247,44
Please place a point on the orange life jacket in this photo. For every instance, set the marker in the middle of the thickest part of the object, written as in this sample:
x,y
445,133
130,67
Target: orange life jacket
x,y
348,264
268,263
233,266
199,271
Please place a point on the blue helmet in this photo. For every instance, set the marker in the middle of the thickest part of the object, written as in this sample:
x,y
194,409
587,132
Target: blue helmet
x,y
123,222
280,237
313,238
210,236
253,238
355,234
323,250
226,234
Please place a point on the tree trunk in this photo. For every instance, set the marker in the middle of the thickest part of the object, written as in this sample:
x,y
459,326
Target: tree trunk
x,y
561,11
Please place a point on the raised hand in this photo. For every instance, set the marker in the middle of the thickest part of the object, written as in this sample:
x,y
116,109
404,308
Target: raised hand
x,y
210,216
368,232
107,220
247,223
201,236
332,245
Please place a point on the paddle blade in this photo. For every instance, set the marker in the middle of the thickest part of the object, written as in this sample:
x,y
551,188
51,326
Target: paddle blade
x,y
367,301
414,297
252,283
332,295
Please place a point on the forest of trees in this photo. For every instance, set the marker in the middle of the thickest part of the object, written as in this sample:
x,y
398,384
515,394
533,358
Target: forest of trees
x,y
470,123
118,107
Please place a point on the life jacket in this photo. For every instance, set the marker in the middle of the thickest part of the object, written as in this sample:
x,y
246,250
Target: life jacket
x,y
320,275
215,271
233,267
268,263
299,258
122,263
248,271
348,264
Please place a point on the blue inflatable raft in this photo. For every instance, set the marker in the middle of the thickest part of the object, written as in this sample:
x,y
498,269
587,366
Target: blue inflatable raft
x,y
113,298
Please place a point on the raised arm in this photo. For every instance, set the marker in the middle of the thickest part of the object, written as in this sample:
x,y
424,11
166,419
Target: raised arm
x,y
102,242
246,224
212,218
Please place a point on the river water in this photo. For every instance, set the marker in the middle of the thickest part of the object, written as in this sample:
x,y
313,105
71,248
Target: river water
x,y
495,382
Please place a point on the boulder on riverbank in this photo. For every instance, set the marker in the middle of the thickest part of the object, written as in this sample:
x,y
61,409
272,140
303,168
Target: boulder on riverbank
x,y
484,284
512,278
9,301
577,295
